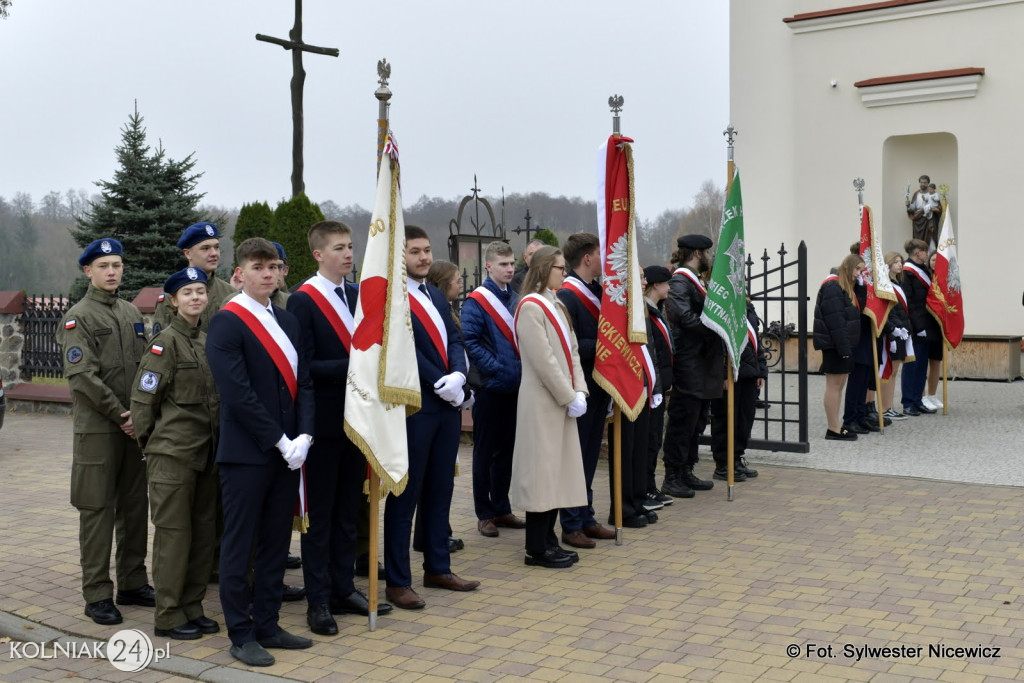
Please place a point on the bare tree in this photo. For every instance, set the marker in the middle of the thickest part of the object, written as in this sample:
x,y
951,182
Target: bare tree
x,y
706,215
4,7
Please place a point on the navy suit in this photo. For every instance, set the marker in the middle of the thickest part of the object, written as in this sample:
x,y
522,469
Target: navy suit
x,y
433,438
258,489
335,468
591,425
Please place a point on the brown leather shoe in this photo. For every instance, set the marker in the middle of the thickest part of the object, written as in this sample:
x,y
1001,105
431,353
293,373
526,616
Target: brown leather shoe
x,y
577,540
487,528
510,520
403,597
449,581
598,531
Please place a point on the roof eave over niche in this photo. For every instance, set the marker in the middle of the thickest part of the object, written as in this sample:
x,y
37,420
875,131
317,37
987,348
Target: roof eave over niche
x,y
927,86
876,12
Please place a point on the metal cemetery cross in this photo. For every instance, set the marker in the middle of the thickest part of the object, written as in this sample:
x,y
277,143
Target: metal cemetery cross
x,y
297,47
466,248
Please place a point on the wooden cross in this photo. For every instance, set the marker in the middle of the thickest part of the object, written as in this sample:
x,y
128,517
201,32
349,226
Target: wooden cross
x,y
297,47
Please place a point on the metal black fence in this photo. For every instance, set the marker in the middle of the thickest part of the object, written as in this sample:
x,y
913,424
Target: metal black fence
x,y
41,356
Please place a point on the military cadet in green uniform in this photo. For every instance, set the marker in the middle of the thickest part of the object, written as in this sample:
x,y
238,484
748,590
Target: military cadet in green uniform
x,y
102,338
176,409
200,243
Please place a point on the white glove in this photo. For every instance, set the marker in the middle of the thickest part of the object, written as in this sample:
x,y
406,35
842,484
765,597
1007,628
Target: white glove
x,y
892,346
296,455
611,409
283,444
656,401
449,386
922,333
902,333
578,407
468,403
459,399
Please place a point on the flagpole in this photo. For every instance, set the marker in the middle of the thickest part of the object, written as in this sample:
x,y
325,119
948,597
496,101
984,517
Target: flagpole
x,y
858,184
730,458
615,102
945,378
383,95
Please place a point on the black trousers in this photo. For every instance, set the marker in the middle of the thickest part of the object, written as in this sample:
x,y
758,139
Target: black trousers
x,y
494,438
335,470
635,435
745,402
656,436
687,418
540,531
856,394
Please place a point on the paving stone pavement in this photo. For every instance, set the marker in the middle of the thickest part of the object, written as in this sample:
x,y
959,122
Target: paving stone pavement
x,y
809,555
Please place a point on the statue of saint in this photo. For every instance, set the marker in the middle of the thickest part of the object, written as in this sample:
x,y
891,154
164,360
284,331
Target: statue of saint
x,y
924,210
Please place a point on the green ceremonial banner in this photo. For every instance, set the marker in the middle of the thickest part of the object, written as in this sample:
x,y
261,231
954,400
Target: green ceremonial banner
x,y
725,309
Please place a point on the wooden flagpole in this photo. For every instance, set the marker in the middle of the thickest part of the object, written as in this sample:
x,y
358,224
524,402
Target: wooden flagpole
x,y
616,102
730,393
383,95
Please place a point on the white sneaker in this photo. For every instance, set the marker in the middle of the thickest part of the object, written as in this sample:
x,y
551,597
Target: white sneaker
x,y
932,402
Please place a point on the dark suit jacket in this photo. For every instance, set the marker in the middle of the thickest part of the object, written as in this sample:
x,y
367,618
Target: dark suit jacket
x,y
431,365
584,325
256,406
328,360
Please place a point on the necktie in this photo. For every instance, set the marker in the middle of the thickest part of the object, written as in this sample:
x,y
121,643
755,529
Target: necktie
x,y
423,288
270,310
340,291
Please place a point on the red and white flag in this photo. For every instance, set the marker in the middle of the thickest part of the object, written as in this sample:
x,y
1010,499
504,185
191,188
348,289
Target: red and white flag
x,y
881,296
619,367
945,300
383,385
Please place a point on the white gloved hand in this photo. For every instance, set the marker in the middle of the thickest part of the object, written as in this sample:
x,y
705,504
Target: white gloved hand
x,y
892,346
656,400
283,444
449,386
611,409
468,403
902,333
296,455
578,407
922,333
458,400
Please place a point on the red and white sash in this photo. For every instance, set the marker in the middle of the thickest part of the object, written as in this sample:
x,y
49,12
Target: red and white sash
x,y
918,272
499,314
426,312
583,293
693,277
333,308
663,328
752,336
271,337
649,371
556,321
901,296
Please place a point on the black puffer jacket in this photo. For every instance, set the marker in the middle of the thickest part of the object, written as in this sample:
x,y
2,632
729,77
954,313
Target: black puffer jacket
x,y
836,320
699,365
753,364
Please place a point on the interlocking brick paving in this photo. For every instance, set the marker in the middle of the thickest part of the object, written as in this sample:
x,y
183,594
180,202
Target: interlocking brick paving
x,y
716,590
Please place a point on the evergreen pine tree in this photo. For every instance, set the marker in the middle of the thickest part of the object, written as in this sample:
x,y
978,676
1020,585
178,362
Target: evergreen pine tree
x,y
254,220
547,237
146,205
292,220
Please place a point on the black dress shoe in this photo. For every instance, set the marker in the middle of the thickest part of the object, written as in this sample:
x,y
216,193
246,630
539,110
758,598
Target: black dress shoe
x,y
187,631
320,620
252,654
691,480
357,603
205,624
293,562
652,516
634,522
293,593
363,567
144,596
285,641
912,411
551,559
103,612
855,428
571,554
722,474
870,426
747,472
455,544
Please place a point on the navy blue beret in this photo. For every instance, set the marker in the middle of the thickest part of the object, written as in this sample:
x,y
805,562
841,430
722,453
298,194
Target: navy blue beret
x,y
280,250
656,274
184,277
695,242
194,234
106,246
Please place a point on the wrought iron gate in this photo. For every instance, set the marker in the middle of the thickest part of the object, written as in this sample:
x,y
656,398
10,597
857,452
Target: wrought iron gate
x,y
41,356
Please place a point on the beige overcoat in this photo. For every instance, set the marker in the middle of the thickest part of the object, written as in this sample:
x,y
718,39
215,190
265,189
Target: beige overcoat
x,y
547,465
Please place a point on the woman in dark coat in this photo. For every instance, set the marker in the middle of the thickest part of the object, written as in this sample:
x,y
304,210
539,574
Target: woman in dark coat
x,y
897,336
836,332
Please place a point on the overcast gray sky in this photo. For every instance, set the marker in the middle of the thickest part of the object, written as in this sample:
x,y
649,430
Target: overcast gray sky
x,y
515,92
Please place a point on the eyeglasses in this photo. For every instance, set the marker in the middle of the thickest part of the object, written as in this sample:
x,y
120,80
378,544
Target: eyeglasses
x,y
561,268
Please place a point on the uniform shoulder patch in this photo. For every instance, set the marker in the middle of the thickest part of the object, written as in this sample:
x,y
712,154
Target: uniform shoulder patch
x,y
156,328
160,298
140,329
149,381
156,350
74,354
70,324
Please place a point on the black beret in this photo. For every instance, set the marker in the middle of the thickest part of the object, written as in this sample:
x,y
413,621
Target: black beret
x,y
106,246
196,233
184,277
695,242
656,274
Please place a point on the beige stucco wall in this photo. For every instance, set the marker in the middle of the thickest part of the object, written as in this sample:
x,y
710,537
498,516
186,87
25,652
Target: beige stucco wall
x,y
801,141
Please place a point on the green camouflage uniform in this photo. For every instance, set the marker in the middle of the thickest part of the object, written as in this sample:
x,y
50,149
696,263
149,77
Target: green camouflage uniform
x,y
102,338
176,409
